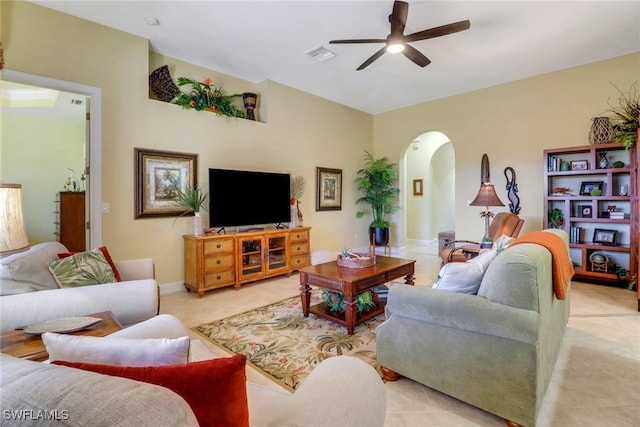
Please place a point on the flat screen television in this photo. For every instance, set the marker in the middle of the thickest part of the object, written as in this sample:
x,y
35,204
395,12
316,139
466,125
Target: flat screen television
x,y
242,198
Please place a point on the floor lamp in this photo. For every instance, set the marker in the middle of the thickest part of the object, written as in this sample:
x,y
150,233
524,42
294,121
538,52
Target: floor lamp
x,y
13,234
486,197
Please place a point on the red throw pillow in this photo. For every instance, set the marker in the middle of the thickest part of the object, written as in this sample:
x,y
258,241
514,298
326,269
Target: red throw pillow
x,y
215,389
105,252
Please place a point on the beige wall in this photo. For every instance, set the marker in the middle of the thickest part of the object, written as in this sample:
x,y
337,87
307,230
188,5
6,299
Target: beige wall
x,y
300,131
512,123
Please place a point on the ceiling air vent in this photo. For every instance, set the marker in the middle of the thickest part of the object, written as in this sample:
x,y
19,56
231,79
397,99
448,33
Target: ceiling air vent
x,y
321,54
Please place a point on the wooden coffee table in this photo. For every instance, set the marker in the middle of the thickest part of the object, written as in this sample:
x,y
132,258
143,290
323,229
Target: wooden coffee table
x,y
351,282
27,346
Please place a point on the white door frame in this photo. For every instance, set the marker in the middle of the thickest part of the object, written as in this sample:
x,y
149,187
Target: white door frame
x,y
95,140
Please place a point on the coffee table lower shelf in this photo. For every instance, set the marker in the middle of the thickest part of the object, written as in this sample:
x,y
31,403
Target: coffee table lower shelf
x,y
323,311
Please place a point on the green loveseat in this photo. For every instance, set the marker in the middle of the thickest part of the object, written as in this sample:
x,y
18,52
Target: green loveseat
x,y
495,350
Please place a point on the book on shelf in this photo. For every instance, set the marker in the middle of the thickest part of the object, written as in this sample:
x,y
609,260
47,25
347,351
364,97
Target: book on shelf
x,y
575,234
616,215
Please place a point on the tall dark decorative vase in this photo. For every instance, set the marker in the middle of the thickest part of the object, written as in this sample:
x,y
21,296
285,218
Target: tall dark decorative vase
x,y
249,100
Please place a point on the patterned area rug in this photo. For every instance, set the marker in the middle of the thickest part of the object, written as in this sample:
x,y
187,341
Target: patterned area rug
x,y
279,341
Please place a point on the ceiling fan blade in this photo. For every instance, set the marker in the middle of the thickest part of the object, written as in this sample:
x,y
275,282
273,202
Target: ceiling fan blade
x,y
438,31
418,58
373,57
358,41
398,17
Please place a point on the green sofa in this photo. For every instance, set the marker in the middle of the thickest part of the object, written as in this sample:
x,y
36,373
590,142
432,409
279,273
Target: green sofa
x,y
495,350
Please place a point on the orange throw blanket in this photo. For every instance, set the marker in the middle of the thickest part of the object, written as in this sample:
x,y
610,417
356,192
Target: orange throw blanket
x,y
561,265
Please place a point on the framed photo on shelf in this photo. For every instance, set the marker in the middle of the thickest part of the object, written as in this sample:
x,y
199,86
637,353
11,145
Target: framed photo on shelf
x,y
579,165
604,237
584,211
588,186
329,189
159,177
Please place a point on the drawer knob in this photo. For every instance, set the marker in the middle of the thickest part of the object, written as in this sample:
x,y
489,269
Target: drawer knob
x,y
298,248
218,246
218,261
218,277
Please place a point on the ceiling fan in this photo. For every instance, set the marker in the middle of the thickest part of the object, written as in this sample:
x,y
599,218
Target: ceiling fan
x,y
397,42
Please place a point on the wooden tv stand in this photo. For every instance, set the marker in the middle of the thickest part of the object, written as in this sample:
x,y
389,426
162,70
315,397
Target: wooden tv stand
x,y
216,261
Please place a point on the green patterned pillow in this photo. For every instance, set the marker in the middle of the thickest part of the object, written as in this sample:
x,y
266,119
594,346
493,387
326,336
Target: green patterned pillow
x,y
82,269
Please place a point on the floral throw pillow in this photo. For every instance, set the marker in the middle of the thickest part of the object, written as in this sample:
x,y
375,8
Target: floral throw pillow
x,y
82,269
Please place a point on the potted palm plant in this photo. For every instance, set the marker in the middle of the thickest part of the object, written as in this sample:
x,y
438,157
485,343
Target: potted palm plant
x,y
377,181
193,199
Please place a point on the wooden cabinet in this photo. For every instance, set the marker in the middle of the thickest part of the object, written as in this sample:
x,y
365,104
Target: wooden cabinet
x,y
299,250
603,226
261,255
73,224
211,262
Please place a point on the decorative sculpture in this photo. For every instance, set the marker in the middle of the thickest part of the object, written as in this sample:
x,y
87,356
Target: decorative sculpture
x,y
512,191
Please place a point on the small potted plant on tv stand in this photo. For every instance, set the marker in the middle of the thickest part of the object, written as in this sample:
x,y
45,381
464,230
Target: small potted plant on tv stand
x,y
193,199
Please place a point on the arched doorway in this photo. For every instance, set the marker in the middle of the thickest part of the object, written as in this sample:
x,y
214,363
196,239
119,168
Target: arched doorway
x,y
431,159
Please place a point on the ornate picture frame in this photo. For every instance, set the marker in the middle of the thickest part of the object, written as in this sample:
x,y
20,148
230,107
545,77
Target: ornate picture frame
x,y
328,189
158,177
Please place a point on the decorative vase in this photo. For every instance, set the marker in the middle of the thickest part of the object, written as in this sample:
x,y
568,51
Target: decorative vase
x,y
601,131
249,100
197,224
294,216
603,162
299,213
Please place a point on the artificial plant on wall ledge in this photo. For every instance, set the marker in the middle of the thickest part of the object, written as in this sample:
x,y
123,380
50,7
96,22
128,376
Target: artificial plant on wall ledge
x,y
208,97
626,119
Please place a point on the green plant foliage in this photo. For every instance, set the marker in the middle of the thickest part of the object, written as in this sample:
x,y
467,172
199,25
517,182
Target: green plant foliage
x,y
556,218
336,301
192,198
377,181
626,117
206,96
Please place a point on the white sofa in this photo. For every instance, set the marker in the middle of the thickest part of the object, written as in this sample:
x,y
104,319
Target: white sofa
x,y
31,295
341,390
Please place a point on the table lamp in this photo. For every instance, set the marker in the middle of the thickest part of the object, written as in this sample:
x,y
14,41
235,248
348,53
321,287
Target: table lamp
x,y
486,197
13,235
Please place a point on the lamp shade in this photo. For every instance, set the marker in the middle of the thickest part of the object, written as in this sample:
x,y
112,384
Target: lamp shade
x,y
486,196
13,235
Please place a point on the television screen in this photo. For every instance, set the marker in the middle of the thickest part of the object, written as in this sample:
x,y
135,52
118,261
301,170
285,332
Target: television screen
x,y
248,198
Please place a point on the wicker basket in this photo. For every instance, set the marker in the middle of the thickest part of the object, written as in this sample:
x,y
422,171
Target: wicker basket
x,y
366,260
162,84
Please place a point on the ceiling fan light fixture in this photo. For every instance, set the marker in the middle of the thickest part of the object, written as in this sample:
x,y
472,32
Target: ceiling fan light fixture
x,y
395,47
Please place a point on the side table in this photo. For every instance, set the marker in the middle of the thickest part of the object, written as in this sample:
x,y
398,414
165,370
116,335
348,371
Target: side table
x,y
26,346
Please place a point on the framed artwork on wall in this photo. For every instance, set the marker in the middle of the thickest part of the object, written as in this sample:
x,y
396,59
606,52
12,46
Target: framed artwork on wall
x,y
417,187
329,189
159,178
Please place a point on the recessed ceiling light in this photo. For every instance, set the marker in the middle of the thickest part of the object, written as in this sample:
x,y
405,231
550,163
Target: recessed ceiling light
x,y
150,20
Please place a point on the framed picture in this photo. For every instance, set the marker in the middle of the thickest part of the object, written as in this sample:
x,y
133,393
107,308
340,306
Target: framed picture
x,y
160,176
604,237
579,165
329,189
584,211
588,186
417,187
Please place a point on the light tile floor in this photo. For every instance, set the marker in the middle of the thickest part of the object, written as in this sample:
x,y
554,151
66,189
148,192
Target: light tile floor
x,y
596,381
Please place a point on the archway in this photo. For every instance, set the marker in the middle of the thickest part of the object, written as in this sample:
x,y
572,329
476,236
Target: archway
x,y
431,159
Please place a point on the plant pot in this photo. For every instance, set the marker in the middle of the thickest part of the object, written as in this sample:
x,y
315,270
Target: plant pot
x,y
197,224
381,235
